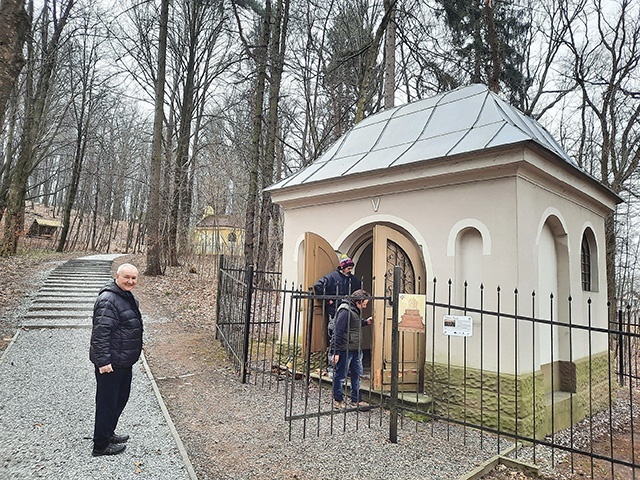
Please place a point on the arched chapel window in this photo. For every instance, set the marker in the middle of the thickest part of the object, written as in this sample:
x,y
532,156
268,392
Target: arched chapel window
x,y
588,262
469,265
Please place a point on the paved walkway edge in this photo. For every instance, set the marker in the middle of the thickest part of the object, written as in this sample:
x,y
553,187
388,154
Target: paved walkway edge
x,y
486,467
6,350
167,417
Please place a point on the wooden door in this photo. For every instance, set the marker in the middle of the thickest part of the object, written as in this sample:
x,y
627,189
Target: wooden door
x,y
391,248
319,259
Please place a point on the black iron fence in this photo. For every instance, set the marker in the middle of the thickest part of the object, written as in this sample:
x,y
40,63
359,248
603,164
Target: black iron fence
x,y
557,380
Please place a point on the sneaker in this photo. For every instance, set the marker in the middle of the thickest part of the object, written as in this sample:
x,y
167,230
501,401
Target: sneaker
x,y
339,405
115,438
362,405
112,449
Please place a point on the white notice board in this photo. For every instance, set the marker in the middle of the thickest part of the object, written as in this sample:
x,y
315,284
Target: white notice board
x,y
457,326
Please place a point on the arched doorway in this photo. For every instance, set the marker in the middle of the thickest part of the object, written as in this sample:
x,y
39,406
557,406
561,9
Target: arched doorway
x,y
376,249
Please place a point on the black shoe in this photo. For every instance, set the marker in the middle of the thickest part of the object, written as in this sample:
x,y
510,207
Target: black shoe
x,y
115,438
112,449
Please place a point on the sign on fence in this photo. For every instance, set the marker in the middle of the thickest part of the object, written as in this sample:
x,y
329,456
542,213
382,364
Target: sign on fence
x,y
411,309
457,326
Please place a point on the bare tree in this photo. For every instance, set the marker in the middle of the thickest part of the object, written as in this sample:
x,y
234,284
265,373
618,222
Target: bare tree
x,y
352,73
390,58
192,42
606,51
544,56
85,104
313,130
277,47
370,60
268,59
34,113
259,56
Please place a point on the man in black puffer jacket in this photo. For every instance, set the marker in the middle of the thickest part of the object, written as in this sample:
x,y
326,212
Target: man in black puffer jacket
x,y
116,344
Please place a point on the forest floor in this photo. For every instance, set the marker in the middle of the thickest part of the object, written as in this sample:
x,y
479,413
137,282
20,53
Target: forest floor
x,y
181,348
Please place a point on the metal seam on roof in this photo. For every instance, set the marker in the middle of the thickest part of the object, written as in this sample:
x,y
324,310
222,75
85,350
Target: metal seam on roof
x,y
386,124
478,114
426,125
342,141
495,135
528,130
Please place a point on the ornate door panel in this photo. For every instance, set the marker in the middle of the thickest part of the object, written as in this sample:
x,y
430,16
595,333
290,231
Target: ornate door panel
x,y
391,248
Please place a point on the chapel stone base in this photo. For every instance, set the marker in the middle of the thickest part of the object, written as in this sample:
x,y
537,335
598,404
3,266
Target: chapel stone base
x,y
523,404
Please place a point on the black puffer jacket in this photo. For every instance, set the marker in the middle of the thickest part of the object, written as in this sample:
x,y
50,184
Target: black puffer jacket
x,y
339,284
116,338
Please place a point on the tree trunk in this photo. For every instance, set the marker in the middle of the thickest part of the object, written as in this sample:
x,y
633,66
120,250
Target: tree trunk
x,y
154,253
181,193
256,136
174,212
494,45
16,24
171,185
91,239
7,167
371,53
390,60
277,49
81,145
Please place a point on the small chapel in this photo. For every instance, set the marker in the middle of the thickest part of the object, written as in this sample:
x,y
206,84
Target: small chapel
x,y
462,187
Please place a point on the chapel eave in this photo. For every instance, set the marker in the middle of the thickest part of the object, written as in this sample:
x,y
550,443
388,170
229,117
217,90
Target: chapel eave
x,y
491,163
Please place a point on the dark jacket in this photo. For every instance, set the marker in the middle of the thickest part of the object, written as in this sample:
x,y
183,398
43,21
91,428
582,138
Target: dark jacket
x,y
116,337
348,329
338,284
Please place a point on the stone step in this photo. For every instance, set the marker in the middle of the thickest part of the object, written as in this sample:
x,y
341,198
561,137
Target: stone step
x,y
61,306
57,314
69,299
91,277
57,323
72,291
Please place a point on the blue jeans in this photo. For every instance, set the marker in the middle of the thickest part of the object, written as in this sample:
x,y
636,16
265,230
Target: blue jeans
x,y
350,361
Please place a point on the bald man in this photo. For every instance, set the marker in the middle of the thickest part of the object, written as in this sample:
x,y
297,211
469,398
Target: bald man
x,y
116,344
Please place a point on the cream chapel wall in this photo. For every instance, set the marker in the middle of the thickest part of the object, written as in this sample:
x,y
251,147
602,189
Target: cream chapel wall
x,y
538,206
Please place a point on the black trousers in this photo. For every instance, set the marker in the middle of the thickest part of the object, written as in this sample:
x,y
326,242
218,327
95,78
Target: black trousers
x,y
112,394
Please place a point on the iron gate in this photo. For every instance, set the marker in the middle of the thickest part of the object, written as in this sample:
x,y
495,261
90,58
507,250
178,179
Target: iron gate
x,y
474,383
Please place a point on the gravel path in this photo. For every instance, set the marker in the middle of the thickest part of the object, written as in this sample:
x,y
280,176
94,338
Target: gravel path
x,y
47,389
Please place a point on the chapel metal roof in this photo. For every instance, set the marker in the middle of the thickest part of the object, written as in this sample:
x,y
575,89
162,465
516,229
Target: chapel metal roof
x,y
461,121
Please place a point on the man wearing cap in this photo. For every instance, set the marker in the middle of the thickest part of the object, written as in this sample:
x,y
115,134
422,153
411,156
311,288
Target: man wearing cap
x,y
337,284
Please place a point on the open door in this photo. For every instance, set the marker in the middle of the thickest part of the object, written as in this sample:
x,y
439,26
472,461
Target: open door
x,y
391,248
319,259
